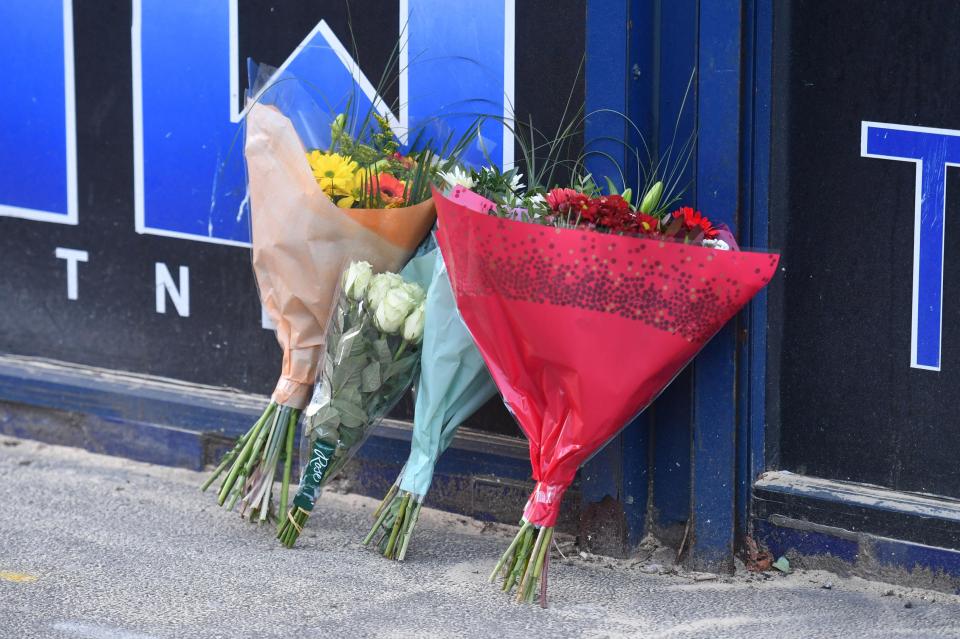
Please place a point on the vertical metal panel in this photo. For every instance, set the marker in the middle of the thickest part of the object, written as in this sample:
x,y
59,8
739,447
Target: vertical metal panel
x,y
718,185
606,85
697,417
619,54
754,221
676,36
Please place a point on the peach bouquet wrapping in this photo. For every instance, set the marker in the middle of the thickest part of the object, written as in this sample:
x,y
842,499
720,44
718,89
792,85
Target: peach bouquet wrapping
x,y
302,242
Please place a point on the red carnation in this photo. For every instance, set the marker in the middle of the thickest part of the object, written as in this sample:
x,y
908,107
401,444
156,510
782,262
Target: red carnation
x,y
611,213
647,224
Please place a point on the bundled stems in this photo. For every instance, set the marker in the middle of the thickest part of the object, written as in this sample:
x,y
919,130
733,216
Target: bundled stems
x,y
397,524
227,458
381,515
292,526
524,564
240,450
396,518
253,460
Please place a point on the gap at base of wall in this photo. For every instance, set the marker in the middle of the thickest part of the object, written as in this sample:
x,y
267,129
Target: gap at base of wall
x,y
857,529
167,422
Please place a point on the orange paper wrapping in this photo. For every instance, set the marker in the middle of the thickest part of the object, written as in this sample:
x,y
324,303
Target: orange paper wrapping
x,y
302,242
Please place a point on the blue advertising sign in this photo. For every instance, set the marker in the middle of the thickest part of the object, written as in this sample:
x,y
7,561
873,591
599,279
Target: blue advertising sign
x,y
188,161
458,62
39,114
932,151
188,164
152,281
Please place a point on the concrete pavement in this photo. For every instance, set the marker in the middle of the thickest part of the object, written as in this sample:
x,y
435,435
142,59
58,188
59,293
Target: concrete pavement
x,y
104,548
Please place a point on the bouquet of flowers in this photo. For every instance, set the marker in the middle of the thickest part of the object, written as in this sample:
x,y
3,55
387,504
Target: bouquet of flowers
x,y
584,307
372,356
314,209
453,384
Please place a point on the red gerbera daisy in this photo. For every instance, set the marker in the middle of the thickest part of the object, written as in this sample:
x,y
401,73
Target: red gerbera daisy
x,y
694,221
389,187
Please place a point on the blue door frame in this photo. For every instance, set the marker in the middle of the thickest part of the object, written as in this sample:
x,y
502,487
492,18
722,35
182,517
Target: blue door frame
x,y
685,468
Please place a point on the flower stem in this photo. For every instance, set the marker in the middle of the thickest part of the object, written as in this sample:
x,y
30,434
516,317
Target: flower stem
x,y
520,565
386,500
396,526
404,522
288,462
227,458
408,531
528,568
236,494
508,576
291,526
245,452
263,509
541,556
384,513
509,552
543,581
262,439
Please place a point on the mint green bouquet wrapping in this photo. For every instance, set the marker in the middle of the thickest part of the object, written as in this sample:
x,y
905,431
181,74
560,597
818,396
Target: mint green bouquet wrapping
x,y
453,384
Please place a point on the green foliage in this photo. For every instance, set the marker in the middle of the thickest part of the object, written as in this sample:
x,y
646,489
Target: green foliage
x,y
498,186
366,136
364,374
545,156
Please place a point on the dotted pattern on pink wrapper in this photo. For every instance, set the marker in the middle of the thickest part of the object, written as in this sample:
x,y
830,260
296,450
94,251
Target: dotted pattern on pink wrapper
x,y
685,290
465,197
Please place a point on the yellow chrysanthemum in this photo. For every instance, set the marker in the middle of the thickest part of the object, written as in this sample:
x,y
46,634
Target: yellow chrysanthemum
x,y
337,175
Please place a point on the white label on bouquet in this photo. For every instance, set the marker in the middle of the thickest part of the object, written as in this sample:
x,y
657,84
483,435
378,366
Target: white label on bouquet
x,y
545,494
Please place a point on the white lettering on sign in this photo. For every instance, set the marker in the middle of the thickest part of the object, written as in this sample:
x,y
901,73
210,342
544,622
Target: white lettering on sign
x,y
72,256
179,293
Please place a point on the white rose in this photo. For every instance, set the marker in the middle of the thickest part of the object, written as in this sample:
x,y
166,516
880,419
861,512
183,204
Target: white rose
x,y
393,310
416,291
356,279
379,285
413,325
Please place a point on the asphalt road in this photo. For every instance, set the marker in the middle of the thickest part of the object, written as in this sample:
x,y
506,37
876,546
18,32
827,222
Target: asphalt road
x,y
103,548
